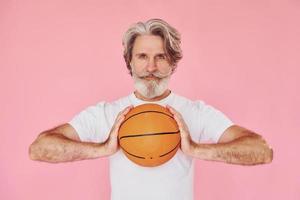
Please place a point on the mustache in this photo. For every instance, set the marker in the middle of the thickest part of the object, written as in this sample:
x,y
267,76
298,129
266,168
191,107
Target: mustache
x,y
155,74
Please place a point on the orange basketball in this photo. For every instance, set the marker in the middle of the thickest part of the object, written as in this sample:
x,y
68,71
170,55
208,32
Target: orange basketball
x,y
149,135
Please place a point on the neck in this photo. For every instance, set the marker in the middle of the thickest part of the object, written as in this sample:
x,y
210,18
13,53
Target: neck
x,y
157,98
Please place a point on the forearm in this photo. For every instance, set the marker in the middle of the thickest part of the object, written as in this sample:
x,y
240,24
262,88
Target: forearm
x,y
248,150
57,148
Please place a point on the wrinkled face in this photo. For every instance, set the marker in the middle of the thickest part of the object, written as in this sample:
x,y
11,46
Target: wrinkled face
x,y
151,70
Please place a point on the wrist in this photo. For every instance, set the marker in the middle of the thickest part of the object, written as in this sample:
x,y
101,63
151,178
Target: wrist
x,y
107,149
202,151
99,150
193,148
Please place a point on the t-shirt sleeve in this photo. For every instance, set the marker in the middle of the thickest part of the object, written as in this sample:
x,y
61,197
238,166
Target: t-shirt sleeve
x,y
89,123
212,123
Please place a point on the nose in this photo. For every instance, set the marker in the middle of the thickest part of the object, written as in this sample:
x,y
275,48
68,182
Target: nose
x,y
151,65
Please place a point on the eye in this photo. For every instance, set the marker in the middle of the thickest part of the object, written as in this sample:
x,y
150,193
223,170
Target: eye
x,y
161,57
142,56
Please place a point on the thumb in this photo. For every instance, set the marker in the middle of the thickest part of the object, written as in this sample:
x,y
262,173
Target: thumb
x,y
117,126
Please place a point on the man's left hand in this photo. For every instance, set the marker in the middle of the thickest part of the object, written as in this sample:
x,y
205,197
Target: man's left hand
x,y
187,145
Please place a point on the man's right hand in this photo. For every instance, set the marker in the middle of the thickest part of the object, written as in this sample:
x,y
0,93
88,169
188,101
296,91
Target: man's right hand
x,y
112,144
62,144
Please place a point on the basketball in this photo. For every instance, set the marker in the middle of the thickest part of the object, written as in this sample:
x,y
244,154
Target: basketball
x,y
149,135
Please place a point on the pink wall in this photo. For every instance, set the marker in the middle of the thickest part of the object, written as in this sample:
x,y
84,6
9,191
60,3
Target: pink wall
x,y
57,57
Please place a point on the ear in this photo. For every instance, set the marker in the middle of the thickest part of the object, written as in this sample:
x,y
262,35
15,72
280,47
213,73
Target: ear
x,y
131,65
130,71
173,69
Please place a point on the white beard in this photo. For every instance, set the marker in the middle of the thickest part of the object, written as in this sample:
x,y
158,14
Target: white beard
x,y
150,88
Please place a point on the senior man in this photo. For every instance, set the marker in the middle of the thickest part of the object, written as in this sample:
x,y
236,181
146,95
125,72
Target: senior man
x,y
152,52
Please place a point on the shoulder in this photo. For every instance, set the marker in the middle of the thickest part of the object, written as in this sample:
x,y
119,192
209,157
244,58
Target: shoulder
x,y
182,102
107,106
194,108
118,104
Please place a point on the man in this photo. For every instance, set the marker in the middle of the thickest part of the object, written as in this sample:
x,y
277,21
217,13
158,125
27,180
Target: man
x,y
151,52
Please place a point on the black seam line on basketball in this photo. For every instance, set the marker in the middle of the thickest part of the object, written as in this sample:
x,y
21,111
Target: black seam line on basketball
x,y
171,150
145,158
149,134
132,154
142,113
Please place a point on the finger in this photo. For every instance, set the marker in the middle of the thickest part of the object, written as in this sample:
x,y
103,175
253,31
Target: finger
x,y
175,112
124,111
184,132
120,120
170,108
127,109
181,124
116,126
121,116
178,121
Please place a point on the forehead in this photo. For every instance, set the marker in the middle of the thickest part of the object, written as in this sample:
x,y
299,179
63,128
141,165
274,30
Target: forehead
x,y
148,43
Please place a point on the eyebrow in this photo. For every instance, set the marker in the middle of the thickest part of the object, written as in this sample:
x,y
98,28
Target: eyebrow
x,y
159,54
139,54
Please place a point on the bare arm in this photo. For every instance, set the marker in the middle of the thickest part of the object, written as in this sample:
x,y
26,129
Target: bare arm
x,y
62,144
237,145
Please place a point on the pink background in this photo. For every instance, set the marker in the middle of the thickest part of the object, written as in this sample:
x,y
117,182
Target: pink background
x,y
58,57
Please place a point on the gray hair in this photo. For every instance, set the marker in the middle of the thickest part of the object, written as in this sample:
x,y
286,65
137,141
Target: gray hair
x,y
170,36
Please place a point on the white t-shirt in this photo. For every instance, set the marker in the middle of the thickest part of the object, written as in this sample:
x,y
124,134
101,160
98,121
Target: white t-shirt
x,y
172,180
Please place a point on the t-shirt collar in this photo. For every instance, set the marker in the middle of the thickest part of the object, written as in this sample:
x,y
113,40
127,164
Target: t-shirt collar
x,y
164,101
